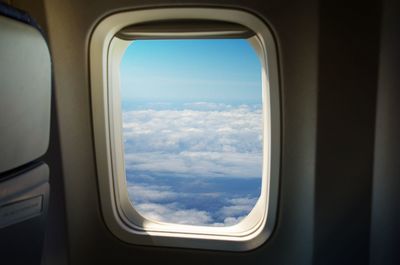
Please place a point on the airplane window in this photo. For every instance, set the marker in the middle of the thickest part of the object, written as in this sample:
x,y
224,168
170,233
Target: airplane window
x,y
192,129
186,123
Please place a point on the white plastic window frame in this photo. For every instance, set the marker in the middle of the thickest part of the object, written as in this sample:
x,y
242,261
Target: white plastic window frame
x,y
120,216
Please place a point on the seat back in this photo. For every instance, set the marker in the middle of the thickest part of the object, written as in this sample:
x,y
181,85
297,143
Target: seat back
x,y
25,96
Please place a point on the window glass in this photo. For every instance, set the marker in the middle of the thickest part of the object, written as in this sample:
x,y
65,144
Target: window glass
x,y
192,129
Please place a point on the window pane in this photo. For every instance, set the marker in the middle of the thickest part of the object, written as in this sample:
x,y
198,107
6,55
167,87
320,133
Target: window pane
x,y
192,129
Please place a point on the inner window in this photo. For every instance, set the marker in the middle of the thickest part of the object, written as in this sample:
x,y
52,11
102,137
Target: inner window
x,y
192,129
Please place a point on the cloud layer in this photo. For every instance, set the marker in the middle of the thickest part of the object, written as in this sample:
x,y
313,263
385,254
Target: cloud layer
x,y
199,141
189,142
161,203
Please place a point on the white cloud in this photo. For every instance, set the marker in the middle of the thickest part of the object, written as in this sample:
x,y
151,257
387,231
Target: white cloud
x,y
197,164
232,220
172,213
207,106
140,192
238,206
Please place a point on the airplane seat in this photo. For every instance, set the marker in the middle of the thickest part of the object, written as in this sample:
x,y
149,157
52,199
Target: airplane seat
x,y
25,96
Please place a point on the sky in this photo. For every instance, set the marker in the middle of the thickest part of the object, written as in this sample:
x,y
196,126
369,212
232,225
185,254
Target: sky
x,y
192,129
191,70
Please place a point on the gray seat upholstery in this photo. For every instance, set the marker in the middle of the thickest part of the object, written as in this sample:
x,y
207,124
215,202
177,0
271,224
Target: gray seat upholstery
x,y
25,81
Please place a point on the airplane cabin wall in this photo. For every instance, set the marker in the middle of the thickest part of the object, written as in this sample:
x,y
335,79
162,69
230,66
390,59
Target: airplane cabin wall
x,y
385,229
349,36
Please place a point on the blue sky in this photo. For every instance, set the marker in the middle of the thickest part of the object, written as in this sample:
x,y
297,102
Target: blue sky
x,y
191,70
192,129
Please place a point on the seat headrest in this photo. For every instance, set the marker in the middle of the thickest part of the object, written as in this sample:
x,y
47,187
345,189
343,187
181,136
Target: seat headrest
x,y
25,91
